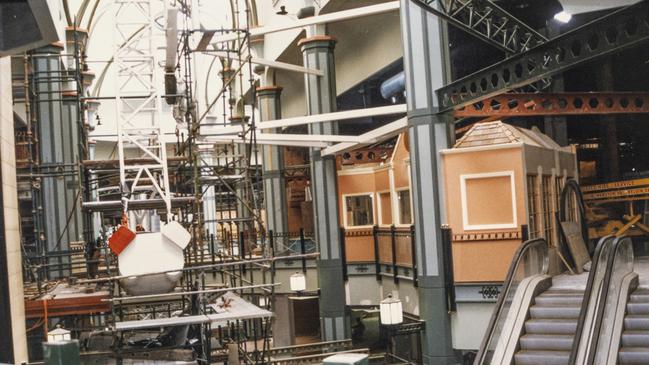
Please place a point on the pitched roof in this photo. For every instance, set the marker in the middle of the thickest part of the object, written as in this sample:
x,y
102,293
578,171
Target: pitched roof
x,y
496,133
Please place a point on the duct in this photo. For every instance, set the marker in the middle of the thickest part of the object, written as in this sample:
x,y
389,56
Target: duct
x,y
393,87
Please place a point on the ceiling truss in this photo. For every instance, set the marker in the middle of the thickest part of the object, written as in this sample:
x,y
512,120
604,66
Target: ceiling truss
x,y
621,29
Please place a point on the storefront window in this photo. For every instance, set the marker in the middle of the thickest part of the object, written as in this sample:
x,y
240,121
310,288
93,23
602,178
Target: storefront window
x,y
405,211
386,209
359,210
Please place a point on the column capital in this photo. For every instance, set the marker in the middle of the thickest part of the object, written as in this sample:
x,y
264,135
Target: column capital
x,y
317,41
271,90
55,47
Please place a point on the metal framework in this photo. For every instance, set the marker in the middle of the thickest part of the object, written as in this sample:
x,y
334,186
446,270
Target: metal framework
x,y
486,21
138,101
520,105
618,30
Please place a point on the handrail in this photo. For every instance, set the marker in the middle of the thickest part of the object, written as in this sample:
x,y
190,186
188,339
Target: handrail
x,y
581,348
520,254
622,250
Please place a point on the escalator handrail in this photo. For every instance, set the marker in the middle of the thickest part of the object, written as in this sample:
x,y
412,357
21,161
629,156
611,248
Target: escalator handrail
x,y
516,260
583,311
618,243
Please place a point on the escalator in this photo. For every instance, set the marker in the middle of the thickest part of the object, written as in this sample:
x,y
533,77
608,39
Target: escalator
x,y
635,338
549,320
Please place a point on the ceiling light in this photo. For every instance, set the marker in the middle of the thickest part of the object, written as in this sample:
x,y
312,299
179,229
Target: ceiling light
x,y
562,17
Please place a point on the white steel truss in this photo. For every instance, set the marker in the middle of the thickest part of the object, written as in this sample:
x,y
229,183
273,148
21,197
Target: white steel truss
x,y
138,100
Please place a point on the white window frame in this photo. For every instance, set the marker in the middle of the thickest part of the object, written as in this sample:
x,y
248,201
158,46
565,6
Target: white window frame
x,y
412,216
379,208
371,195
465,213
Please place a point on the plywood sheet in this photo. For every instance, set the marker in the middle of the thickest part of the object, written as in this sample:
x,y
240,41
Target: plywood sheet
x,y
576,245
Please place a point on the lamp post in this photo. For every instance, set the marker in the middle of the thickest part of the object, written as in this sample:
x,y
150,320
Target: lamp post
x,y
391,314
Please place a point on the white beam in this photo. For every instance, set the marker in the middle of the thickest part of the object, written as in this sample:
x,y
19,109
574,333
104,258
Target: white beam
x,y
332,117
318,19
307,137
374,136
296,137
274,64
214,140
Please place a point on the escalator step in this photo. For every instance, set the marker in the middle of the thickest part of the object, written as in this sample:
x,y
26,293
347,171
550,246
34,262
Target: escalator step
x,y
562,292
637,308
544,342
567,300
551,326
641,295
554,312
634,355
542,358
636,322
635,339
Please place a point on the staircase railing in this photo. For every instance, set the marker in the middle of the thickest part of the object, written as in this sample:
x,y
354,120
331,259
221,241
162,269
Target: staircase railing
x,y
610,321
531,259
592,307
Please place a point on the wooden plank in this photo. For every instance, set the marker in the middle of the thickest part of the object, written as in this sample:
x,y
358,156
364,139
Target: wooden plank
x,y
67,306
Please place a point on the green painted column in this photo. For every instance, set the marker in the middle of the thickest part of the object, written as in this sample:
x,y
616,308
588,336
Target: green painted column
x,y
269,103
426,65
318,53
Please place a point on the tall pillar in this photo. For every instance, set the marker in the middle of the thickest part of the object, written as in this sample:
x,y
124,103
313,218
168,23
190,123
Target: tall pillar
x,y
13,336
269,103
321,98
58,136
426,67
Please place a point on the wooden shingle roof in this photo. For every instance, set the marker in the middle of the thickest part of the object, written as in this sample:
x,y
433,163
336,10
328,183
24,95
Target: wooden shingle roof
x,y
498,133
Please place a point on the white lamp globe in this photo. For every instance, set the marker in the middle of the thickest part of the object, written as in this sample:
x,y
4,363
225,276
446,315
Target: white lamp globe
x,y
298,282
391,311
58,335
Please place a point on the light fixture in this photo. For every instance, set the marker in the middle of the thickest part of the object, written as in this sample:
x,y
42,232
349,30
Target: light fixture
x,y
263,302
563,16
391,311
58,335
298,282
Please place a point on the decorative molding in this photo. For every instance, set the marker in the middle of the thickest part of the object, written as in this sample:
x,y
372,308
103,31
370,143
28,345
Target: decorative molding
x,y
465,212
491,236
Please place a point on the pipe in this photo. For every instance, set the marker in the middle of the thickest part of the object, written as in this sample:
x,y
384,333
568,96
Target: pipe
x,y
393,86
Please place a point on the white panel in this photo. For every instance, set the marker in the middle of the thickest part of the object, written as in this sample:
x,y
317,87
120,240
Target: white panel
x,y
427,197
150,253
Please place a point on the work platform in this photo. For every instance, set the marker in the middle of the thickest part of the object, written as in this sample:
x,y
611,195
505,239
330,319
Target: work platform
x,y
66,299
